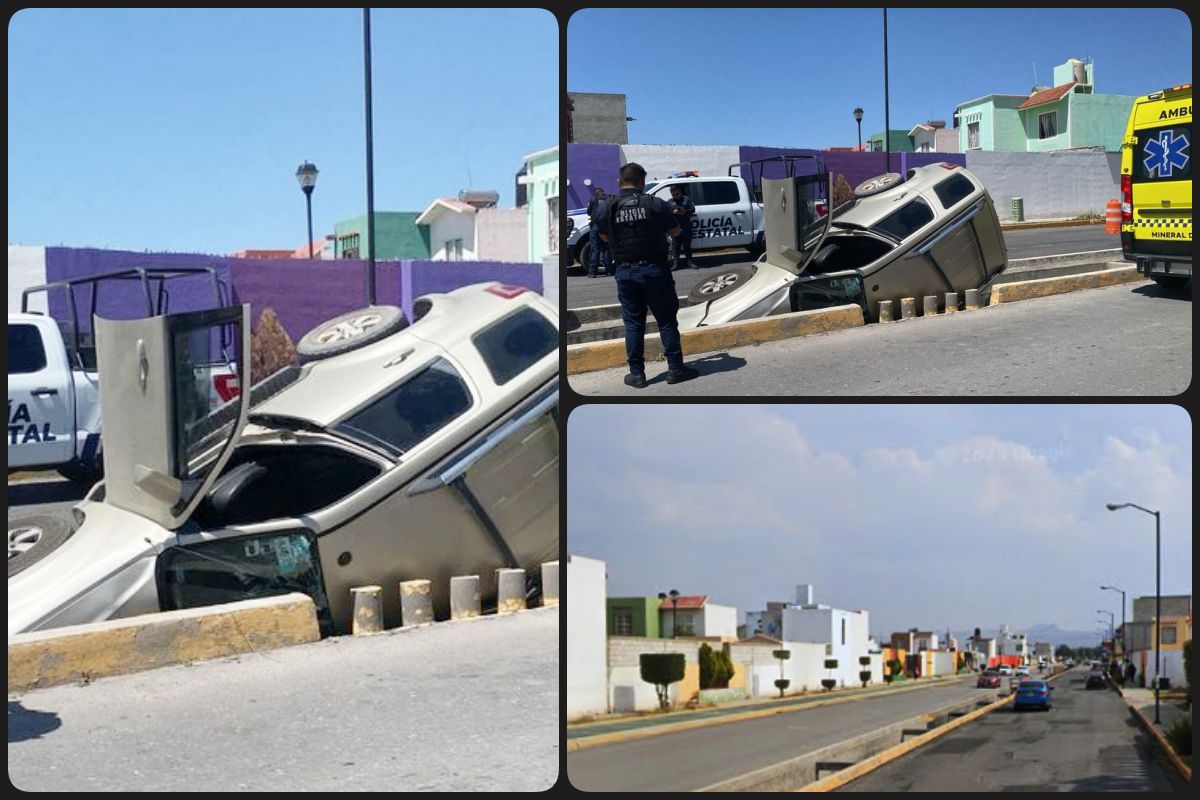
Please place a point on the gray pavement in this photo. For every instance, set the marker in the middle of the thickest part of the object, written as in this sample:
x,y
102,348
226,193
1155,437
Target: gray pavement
x,y
1088,742
468,706
691,759
1133,339
584,291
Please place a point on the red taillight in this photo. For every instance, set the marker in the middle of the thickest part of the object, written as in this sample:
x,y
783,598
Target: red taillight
x,y
227,387
1126,198
507,291
822,208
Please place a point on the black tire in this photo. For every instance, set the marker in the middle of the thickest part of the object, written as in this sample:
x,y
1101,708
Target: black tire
x,y
32,538
584,251
350,332
1173,282
880,183
759,247
728,280
85,474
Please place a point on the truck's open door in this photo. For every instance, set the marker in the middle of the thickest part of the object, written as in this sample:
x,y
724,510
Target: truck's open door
x,y
166,440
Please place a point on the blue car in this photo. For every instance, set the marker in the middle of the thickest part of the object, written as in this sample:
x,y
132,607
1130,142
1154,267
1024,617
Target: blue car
x,y
1033,694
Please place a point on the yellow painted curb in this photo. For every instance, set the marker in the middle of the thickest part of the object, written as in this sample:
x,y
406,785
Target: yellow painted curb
x,y
1183,769
592,356
687,725
116,647
1044,287
841,778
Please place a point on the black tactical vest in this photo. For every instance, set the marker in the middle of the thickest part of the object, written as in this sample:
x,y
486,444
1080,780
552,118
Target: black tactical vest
x,y
635,233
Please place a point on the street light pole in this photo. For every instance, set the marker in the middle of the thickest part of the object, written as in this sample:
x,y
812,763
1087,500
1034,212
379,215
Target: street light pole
x,y
370,158
1124,632
887,139
306,174
1157,594
858,114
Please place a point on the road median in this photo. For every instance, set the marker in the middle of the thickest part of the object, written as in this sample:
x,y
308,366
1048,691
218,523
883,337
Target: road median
x,y
1045,287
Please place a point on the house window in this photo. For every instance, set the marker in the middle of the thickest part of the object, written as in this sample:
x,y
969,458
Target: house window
x,y
623,623
349,245
448,249
843,631
458,249
973,136
1168,634
552,226
1048,125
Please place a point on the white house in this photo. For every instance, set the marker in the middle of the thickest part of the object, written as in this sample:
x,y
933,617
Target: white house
x,y
587,642
451,226
845,634
693,615
1010,643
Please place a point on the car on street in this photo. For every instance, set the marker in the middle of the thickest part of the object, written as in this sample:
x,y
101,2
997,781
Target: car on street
x,y
1005,670
935,232
1033,694
1070,663
395,450
988,680
1095,680
1022,672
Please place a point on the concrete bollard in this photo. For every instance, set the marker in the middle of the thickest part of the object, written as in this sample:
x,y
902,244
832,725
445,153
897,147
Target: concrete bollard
x,y
972,299
416,603
550,583
908,307
368,609
951,302
930,306
885,310
464,596
510,590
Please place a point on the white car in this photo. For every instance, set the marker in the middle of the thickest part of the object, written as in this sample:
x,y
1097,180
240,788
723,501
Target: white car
x,y
1005,669
395,451
1022,672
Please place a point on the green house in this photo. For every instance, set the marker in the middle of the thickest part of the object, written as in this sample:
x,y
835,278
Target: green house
x,y
633,616
397,236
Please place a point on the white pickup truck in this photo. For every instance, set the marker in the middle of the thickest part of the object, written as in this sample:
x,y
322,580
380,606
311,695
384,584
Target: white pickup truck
x,y
53,386
729,212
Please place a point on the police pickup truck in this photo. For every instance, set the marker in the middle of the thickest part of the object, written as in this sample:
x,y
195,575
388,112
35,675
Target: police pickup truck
x,y
727,214
53,385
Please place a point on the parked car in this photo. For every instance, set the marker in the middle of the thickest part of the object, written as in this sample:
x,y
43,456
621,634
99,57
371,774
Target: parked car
x,y
988,680
1022,672
934,233
1095,680
1033,694
1005,669
395,451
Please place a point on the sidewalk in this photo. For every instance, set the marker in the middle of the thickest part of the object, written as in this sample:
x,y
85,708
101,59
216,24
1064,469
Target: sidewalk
x,y
623,723
1143,700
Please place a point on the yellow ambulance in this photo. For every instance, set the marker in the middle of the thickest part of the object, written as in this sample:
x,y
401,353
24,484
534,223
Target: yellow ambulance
x,y
1156,186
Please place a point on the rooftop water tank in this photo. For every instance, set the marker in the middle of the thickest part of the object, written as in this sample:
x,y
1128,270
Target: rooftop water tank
x,y
480,198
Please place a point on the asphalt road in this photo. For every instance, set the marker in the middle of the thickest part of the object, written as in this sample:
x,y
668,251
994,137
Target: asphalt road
x,y
451,707
1134,339
691,759
584,291
1088,742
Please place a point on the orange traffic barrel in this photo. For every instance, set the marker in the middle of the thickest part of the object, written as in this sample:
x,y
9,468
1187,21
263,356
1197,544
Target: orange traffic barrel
x,y
1112,217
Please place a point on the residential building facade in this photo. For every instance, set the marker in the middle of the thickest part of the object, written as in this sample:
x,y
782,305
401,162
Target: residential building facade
x,y
633,616
845,634
397,236
541,183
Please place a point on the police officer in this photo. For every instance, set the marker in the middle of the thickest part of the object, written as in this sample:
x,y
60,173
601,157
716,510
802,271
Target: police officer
x,y
597,248
684,209
636,227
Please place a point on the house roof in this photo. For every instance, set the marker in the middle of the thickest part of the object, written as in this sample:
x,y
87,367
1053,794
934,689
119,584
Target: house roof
x,y
441,206
921,126
761,637
1047,96
685,601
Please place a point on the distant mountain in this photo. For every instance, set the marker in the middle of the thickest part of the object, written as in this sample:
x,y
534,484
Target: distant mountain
x,y
1043,633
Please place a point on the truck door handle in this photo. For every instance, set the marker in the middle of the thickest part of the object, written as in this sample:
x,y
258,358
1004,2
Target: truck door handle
x,y
43,390
739,213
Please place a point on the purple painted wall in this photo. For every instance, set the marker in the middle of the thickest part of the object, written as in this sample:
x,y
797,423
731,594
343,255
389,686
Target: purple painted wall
x,y
857,167
600,162
303,293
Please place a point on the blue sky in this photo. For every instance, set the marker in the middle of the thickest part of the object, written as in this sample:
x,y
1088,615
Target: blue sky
x,y
182,130
791,77
925,515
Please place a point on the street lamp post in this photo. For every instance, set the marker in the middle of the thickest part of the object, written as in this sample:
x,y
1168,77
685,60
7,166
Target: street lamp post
x,y
673,595
1123,631
1111,623
306,174
1157,591
858,112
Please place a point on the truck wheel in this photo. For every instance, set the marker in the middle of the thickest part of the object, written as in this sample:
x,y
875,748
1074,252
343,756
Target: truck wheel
x,y
83,473
1171,281
880,183
759,247
350,332
583,253
30,539
724,282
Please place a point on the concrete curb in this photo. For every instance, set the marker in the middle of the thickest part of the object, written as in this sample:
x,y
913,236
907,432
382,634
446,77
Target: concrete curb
x,y
1183,769
1045,287
687,725
117,647
592,356
873,763
1053,223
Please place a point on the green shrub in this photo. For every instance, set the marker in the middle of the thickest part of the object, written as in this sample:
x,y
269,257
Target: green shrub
x,y
662,669
1179,735
828,683
725,662
865,677
781,684
708,667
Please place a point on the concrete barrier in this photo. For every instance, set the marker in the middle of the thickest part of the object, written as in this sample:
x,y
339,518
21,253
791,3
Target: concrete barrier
x,y
550,583
510,590
464,597
416,602
116,647
591,356
368,610
908,308
1045,287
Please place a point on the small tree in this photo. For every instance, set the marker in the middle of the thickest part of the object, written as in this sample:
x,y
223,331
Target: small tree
x,y
830,682
271,348
662,669
782,683
708,666
894,668
725,662
842,193
864,674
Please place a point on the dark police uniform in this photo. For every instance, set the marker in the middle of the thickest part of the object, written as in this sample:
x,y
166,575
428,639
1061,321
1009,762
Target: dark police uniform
x,y
598,252
681,245
636,225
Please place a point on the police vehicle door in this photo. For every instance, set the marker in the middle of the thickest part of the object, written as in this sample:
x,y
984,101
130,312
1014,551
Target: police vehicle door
x,y
41,402
722,215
